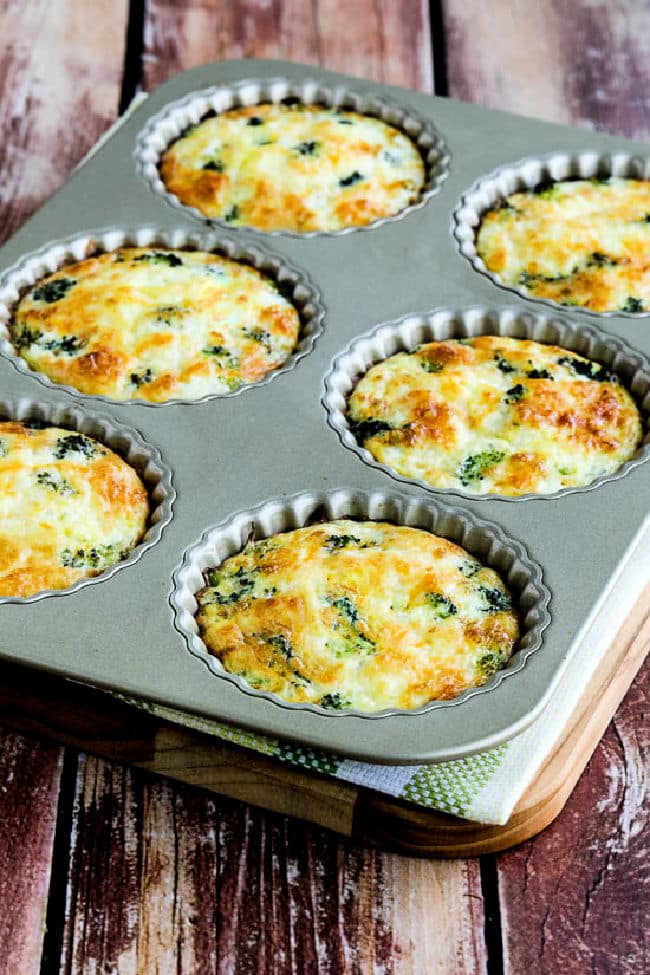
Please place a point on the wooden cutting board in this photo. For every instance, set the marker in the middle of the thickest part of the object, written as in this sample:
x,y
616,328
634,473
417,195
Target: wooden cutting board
x,y
75,715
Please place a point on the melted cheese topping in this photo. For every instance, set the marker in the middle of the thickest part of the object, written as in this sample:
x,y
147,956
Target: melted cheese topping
x,y
69,508
294,167
358,614
151,324
578,242
495,415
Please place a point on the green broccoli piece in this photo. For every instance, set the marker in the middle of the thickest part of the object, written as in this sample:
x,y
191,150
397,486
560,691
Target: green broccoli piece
x,y
334,701
495,600
488,664
354,177
515,393
363,430
78,444
159,257
588,369
633,305
53,291
442,605
475,466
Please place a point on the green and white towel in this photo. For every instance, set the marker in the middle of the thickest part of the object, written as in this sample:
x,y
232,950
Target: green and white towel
x,y
485,787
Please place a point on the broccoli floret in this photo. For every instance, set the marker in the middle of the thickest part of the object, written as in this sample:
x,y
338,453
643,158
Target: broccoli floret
x,y
75,443
429,366
334,542
496,600
515,393
159,257
214,166
255,120
346,608
57,484
442,605
215,350
588,369
503,364
475,465
354,177
363,430
307,148
142,378
241,584
597,259
539,374
232,214
53,291
353,641
90,558
25,337
488,664
633,305
68,345
280,642
469,569
264,338
334,701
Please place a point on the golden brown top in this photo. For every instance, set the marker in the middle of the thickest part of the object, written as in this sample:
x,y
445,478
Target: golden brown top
x,y
577,242
299,168
155,324
495,415
70,508
365,615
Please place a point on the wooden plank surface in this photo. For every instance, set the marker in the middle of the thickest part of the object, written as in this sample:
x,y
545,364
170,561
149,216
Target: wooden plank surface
x,y
171,880
386,40
60,66
586,62
583,886
29,787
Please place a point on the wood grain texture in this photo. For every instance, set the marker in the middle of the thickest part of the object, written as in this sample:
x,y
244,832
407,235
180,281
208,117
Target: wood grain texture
x,y
585,63
386,40
29,784
172,881
60,71
583,886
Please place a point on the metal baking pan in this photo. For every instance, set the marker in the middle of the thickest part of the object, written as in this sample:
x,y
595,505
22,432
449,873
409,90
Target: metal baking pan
x,y
272,453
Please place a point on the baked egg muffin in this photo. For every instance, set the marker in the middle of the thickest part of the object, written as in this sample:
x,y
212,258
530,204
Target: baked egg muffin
x,y
495,415
70,508
154,324
294,167
583,242
358,614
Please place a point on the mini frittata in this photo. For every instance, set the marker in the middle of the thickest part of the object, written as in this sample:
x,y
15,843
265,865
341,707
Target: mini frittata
x,y
495,415
358,614
69,508
154,324
576,242
294,167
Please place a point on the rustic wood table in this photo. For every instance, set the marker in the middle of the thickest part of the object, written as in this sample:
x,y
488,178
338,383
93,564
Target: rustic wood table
x,y
108,870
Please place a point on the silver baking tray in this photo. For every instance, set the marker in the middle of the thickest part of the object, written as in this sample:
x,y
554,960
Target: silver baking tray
x,y
279,454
